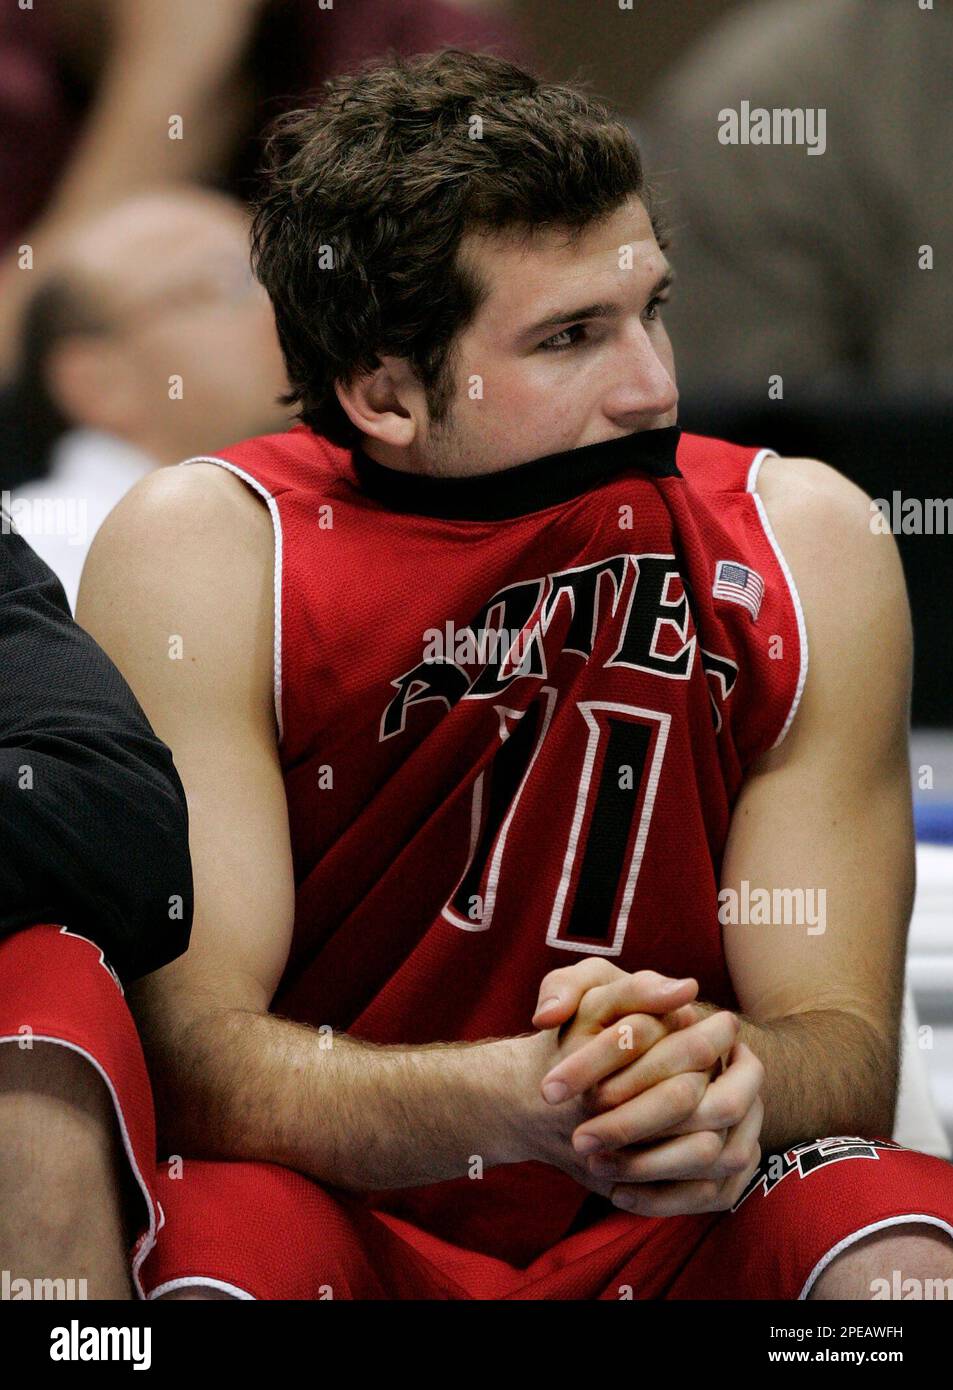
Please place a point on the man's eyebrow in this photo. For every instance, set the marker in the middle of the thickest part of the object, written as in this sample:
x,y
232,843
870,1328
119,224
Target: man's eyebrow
x,y
593,311
663,283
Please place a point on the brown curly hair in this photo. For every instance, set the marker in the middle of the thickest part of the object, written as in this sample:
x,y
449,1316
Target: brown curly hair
x,y
367,194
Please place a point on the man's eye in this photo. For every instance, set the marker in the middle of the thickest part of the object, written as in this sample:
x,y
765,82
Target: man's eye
x,y
653,306
562,340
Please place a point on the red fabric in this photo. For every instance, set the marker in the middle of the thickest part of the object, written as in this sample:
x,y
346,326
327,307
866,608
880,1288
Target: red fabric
x,y
55,987
270,1233
381,946
338,40
266,1232
273,1234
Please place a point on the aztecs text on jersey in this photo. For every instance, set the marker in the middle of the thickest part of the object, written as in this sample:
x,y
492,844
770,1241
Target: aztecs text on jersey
x,y
515,712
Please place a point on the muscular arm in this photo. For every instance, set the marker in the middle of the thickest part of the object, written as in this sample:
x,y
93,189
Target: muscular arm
x,y
831,809
184,564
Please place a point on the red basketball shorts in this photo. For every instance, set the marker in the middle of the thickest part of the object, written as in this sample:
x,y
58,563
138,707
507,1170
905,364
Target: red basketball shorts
x,y
56,988
258,1230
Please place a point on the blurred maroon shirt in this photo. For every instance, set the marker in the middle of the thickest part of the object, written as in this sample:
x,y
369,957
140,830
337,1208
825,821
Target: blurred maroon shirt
x,y
297,46
37,116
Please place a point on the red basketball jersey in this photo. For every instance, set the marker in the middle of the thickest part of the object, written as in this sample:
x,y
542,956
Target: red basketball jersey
x,y
515,712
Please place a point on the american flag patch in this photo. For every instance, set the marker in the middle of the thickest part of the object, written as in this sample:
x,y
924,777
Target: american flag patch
x,y
739,584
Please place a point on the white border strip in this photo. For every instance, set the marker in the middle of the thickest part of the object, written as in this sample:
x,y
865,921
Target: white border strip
x,y
276,523
842,1245
195,1281
154,1225
753,472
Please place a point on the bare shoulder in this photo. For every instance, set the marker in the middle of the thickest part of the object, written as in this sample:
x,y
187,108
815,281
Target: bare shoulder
x,y
202,499
185,564
174,529
831,533
849,580
800,492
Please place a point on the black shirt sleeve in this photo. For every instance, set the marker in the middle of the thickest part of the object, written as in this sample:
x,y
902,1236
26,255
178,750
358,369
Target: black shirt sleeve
x,y
93,816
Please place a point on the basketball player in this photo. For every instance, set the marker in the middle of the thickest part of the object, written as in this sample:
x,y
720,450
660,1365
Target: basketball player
x,y
487,684
95,888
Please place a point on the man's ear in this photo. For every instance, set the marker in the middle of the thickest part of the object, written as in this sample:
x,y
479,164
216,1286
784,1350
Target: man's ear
x,y
383,403
92,382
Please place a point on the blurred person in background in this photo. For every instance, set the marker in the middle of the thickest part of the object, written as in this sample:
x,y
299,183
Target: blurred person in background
x,y
804,264
101,99
95,891
815,289
148,339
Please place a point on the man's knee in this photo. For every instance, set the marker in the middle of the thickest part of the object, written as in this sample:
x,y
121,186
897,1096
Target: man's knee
x,y
60,1146
67,1198
49,1073
51,1094
909,1261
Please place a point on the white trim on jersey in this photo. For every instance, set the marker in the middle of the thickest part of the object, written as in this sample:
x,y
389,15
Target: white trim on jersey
x,y
156,1219
276,523
862,1231
199,1282
753,472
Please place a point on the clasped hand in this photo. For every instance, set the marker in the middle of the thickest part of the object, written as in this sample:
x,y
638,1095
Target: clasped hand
x,y
659,1099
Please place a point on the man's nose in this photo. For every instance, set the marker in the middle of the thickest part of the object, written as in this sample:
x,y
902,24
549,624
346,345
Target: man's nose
x,y
645,383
